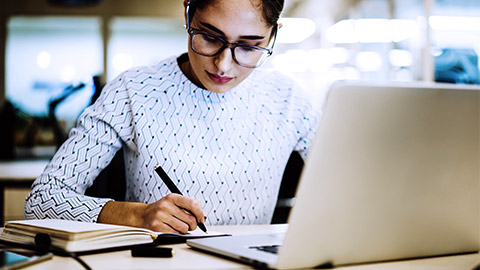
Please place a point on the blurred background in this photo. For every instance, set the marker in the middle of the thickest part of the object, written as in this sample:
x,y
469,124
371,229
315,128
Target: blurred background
x,y
55,55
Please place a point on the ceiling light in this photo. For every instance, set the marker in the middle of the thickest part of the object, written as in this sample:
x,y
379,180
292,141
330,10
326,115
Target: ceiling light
x,y
371,31
295,30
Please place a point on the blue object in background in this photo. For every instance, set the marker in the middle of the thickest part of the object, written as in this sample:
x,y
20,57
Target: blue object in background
x,y
457,66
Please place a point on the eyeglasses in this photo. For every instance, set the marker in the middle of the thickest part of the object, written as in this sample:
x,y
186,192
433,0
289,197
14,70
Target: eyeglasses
x,y
244,55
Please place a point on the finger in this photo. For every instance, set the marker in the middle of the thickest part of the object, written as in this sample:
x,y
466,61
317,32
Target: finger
x,y
179,225
204,218
191,205
186,217
166,213
180,204
165,228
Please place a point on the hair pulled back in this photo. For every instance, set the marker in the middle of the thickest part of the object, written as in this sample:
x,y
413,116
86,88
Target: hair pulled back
x,y
271,9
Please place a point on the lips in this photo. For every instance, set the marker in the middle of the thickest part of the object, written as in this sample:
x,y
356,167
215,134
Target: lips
x,y
218,78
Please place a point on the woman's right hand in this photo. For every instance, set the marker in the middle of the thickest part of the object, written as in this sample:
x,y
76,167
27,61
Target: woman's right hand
x,y
169,215
165,215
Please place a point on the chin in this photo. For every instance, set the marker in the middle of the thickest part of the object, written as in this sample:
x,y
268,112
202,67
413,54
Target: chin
x,y
219,90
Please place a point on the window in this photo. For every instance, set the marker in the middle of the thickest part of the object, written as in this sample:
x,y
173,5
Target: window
x,y
45,55
143,41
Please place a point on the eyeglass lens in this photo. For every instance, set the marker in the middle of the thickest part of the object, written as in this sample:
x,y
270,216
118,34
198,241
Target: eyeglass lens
x,y
244,55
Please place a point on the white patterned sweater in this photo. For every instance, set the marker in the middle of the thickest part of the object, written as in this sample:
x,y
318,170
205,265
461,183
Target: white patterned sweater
x,y
228,150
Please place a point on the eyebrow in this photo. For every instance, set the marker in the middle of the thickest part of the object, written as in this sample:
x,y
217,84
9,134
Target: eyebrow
x,y
214,29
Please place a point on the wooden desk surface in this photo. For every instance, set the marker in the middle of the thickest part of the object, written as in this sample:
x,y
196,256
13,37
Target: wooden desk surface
x,y
187,258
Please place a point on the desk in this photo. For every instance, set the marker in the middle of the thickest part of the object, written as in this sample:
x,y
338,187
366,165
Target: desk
x,y
19,173
187,258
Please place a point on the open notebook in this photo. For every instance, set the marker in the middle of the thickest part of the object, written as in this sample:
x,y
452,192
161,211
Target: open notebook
x,y
83,237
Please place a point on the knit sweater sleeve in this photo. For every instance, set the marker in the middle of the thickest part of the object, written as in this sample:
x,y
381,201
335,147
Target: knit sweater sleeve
x,y
59,191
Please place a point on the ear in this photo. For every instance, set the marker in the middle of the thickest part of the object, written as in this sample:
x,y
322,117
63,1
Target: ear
x,y
185,4
280,25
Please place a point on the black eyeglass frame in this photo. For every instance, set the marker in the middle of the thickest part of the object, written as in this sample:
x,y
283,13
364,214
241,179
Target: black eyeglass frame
x,y
193,31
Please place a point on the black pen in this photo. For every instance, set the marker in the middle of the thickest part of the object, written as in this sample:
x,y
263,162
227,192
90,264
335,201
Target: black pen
x,y
173,188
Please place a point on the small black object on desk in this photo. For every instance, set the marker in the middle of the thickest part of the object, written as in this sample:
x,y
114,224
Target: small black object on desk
x,y
152,251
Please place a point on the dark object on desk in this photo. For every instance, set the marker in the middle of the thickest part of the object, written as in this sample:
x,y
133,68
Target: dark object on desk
x,y
152,251
43,242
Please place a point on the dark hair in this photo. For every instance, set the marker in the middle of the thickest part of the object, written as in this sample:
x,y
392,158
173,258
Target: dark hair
x,y
271,9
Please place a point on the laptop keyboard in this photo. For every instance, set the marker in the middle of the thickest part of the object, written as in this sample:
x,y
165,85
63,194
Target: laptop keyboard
x,y
271,248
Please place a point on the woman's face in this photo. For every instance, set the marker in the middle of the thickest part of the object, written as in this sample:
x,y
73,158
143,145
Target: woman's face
x,y
236,21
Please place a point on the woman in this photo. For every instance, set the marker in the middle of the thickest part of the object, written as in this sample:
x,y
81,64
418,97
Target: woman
x,y
221,128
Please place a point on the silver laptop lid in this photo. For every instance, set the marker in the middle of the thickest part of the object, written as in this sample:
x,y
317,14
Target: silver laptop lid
x,y
393,173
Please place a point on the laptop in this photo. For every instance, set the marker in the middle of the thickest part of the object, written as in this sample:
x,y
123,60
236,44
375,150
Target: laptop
x,y
393,173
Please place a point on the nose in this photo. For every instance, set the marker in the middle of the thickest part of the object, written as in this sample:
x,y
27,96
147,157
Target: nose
x,y
224,60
